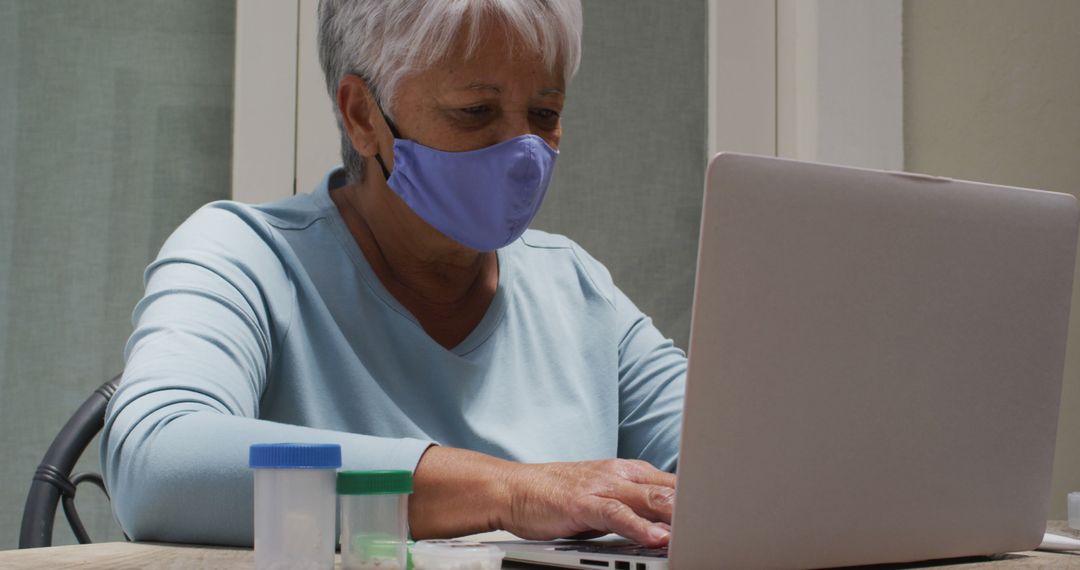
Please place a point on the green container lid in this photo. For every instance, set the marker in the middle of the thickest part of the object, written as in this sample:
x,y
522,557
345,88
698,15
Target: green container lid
x,y
374,482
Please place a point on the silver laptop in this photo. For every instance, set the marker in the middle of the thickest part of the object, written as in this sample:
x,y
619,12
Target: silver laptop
x,y
875,371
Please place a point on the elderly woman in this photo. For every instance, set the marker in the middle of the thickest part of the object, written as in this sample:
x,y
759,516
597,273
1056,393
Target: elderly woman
x,y
403,311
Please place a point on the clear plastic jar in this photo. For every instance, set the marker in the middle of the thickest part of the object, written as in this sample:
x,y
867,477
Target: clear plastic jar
x,y
455,555
374,518
294,504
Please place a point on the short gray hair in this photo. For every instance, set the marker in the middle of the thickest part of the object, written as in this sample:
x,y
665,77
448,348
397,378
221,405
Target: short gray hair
x,y
382,41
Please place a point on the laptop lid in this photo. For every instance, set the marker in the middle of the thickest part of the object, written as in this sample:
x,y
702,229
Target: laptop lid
x,y
875,367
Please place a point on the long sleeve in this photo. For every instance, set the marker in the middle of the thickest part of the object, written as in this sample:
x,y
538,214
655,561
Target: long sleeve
x,y
651,371
218,302
652,380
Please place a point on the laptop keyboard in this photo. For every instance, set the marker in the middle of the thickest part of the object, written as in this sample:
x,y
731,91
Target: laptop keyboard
x,y
617,549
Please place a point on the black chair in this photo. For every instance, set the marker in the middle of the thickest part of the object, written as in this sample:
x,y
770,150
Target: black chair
x,y
53,481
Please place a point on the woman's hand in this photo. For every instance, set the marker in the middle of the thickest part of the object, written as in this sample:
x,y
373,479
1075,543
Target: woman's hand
x,y
555,500
459,492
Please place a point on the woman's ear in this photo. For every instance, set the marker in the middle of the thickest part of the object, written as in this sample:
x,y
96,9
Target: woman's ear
x,y
358,114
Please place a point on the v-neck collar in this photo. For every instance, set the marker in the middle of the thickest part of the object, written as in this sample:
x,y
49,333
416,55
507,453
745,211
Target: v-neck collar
x,y
480,333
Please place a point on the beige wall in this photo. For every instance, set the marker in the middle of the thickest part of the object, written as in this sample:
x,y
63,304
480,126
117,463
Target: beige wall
x,y
992,93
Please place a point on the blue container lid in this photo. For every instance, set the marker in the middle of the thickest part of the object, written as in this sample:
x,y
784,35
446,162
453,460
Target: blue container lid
x,y
295,456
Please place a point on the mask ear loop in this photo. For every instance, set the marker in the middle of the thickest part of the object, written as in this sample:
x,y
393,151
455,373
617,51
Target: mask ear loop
x,y
382,165
397,135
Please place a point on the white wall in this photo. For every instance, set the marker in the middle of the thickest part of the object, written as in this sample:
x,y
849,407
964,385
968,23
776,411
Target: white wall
x,y
264,95
839,82
992,93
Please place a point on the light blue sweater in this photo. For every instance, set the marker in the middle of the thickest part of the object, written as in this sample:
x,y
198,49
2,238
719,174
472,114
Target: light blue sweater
x,y
266,324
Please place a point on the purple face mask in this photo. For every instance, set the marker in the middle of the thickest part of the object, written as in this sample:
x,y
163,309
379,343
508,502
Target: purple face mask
x,y
483,199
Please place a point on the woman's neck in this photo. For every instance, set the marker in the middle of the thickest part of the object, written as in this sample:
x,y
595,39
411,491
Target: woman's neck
x,y
424,270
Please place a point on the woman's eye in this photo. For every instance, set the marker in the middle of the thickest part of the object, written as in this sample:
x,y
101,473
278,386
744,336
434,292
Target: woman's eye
x,y
545,118
476,111
545,114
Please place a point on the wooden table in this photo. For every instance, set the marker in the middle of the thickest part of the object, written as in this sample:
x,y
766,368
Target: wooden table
x,y
123,555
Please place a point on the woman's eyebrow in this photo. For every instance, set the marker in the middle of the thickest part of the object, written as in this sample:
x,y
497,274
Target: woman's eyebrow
x,y
480,86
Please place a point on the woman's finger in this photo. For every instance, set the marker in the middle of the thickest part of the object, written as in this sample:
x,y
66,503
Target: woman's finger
x,y
643,472
610,515
652,502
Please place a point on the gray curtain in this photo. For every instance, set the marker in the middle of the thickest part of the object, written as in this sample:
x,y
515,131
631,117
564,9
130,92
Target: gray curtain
x,y
628,184
115,124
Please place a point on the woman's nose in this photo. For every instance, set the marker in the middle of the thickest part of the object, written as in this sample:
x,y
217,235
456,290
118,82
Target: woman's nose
x,y
515,125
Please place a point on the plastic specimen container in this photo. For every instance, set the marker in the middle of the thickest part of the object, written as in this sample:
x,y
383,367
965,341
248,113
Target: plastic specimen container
x,y
374,518
294,504
455,555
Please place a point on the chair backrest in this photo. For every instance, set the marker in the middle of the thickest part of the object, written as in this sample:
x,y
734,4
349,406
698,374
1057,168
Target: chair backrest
x,y
53,481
